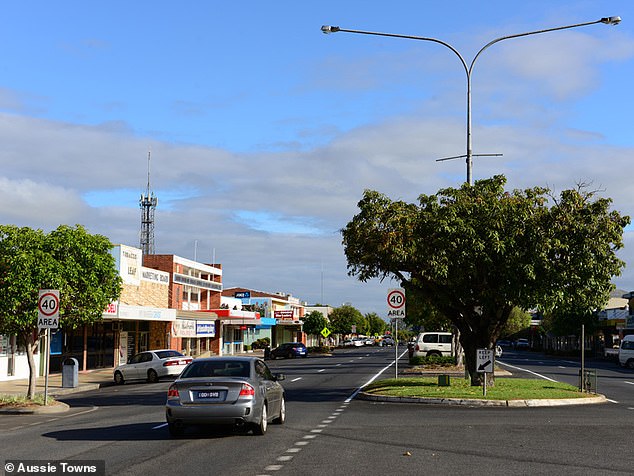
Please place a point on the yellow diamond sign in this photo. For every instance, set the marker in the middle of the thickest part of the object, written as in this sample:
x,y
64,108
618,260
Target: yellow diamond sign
x,y
325,332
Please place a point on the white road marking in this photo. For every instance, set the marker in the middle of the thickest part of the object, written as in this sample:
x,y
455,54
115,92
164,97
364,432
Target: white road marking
x,y
160,426
321,370
296,379
529,371
309,437
294,450
274,467
316,431
285,458
301,443
631,383
354,394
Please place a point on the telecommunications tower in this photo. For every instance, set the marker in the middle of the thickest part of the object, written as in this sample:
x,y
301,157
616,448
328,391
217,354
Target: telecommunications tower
x,y
148,204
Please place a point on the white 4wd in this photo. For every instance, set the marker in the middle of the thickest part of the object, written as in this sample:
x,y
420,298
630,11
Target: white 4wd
x,y
433,343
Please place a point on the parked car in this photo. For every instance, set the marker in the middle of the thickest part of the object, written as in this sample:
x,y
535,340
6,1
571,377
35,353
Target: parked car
x,y
151,365
289,350
504,343
369,341
433,343
521,344
238,391
626,351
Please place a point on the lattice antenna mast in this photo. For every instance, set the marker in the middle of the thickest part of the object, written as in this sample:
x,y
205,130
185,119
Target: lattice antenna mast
x,y
148,204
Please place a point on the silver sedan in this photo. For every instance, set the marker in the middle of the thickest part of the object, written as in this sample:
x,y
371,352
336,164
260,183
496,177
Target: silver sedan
x,y
238,391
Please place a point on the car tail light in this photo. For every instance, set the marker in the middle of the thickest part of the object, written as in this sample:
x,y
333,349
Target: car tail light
x,y
172,393
247,390
169,363
417,348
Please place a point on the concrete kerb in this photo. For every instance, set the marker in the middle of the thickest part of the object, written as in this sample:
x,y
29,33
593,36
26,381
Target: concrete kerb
x,y
472,402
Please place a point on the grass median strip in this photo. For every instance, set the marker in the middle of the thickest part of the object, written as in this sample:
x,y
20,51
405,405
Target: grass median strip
x,y
504,389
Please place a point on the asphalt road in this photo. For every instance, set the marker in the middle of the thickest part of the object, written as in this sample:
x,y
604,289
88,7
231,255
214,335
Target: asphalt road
x,y
329,432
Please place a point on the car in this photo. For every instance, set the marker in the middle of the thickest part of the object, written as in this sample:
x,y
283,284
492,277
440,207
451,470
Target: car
x,y
289,350
504,343
237,391
369,341
521,344
433,343
386,340
151,365
626,352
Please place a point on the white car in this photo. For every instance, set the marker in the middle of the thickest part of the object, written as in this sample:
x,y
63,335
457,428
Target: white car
x,y
151,366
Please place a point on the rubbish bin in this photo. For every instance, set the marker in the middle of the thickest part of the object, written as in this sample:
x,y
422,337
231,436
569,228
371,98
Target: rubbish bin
x,y
70,373
267,352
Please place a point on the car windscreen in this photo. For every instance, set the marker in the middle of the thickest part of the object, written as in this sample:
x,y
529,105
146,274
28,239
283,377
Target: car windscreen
x,y
218,368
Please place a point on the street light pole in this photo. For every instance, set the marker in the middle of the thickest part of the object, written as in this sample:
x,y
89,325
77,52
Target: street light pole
x,y
469,68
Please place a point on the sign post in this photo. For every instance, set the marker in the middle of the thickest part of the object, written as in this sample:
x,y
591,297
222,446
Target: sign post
x,y
47,318
396,311
484,365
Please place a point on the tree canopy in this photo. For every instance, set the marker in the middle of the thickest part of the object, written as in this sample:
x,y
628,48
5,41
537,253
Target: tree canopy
x,y
69,259
475,252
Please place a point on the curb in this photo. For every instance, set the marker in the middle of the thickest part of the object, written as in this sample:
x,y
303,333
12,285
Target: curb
x,y
484,403
58,407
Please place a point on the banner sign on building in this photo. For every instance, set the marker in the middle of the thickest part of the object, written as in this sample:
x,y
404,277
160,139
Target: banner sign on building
x,y
184,328
243,295
205,329
283,314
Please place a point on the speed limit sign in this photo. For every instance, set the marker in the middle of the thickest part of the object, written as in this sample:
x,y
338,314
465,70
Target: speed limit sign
x,y
48,309
396,302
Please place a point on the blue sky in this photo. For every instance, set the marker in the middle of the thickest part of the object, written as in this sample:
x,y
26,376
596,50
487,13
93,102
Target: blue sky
x,y
264,131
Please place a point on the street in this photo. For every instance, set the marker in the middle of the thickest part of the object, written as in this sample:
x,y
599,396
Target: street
x,y
328,432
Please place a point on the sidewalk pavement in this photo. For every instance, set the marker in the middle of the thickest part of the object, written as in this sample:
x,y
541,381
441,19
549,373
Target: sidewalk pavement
x,y
87,380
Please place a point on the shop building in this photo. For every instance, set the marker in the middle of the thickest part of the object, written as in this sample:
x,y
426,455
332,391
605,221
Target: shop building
x,y
280,314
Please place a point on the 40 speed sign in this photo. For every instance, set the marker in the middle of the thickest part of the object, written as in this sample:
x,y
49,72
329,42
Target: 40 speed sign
x,y
48,309
396,302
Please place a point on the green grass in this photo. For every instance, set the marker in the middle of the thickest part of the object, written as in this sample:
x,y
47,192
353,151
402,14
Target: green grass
x,y
504,389
22,401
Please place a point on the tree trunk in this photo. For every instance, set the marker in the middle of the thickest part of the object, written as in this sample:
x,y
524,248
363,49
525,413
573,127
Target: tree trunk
x,y
31,343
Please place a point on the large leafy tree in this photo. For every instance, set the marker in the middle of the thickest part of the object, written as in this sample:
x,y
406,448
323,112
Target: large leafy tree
x,y
69,259
314,323
344,317
376,325
475,252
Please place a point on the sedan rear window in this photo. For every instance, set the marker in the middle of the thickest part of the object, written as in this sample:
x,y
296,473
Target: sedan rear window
x,y
166,354
219,368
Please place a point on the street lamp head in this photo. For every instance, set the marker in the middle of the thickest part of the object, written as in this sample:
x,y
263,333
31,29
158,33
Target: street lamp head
x,y
331,29
611,20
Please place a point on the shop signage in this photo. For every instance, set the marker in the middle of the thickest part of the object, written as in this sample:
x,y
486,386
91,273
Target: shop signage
x,y
184,328
242,295
283,314
205,329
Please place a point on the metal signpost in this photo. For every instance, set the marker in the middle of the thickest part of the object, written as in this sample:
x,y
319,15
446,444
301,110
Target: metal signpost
x,y
484,364
47,318
396,311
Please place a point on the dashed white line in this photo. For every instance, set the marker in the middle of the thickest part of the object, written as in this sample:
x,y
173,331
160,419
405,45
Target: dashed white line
x,y
159,426
321,370
316,430
301,443
309,437
296,379
285,458
273,467
630,383
294,450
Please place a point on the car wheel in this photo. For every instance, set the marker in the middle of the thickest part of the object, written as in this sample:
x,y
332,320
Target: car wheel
x,y
260,428
432,353
152,376
282,417
176,429
118,378
630,363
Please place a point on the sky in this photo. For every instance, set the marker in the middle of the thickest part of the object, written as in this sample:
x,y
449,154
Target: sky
x,y
263,132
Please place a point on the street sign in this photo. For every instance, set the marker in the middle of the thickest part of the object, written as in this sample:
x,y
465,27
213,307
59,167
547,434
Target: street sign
x,y
396,303
48,309
325,332
484,362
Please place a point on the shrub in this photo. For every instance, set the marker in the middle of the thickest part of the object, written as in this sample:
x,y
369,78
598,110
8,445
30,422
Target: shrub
x,y
433,360
261,343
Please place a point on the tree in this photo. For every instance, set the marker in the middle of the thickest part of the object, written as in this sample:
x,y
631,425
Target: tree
x,y
476,252
69,259
314,322
343,318
518,320
376,325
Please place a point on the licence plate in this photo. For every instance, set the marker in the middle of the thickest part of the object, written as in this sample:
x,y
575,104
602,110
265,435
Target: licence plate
x,y
208,394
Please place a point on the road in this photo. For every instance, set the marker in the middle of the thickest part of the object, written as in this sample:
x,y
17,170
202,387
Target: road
x,y
328,432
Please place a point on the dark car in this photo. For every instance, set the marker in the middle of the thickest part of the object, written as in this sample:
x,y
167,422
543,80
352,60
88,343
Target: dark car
x,y
289,350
